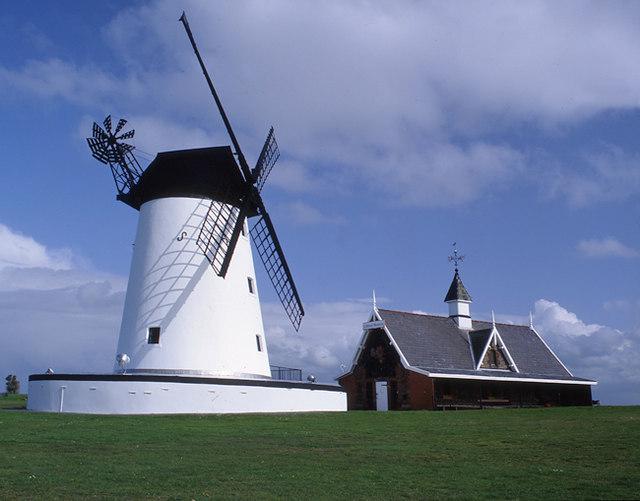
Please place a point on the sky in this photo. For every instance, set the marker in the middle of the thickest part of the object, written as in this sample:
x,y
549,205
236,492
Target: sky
x,y
509,128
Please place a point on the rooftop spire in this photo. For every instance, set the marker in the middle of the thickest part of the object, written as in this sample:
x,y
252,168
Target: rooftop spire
x,y
457,297
455,258
457,290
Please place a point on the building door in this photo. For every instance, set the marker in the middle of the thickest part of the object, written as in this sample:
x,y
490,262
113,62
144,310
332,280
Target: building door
x,y
382,395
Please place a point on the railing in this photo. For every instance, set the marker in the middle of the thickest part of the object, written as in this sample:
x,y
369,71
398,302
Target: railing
x,y
286,373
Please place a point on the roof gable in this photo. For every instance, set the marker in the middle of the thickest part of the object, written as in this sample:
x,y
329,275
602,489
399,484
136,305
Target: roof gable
x,y
479,340
490,351
528,350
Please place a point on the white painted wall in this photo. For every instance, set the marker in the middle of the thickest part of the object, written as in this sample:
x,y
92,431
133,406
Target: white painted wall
x,y
208,324
461,308
138,397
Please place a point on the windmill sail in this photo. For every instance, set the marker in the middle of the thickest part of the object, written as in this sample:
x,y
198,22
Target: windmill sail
x,y
221,227
243,163
267,159
272,256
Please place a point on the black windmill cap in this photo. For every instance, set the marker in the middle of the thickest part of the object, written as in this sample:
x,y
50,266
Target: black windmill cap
x,y
457,290
210,173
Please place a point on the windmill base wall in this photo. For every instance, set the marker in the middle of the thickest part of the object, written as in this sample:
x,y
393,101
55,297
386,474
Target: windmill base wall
x,y
138,394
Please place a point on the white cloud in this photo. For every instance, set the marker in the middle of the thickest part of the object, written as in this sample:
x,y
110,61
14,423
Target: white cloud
x,y
71,329
156,134
622,305
54,310
303,214
293,177
609,355
443,174
20,251
605,247
327,340
399,97
610,174
36,37
55,78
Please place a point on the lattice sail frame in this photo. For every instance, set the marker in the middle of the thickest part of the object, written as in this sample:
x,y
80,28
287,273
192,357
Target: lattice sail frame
x,y
215,241
106,147
274,262
267,159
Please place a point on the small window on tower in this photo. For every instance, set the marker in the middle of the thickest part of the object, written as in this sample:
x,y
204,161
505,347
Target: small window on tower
x,y
252,288
153,335
259,342
245,230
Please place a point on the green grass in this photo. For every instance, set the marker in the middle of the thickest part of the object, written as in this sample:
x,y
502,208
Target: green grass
x,y
13,402
556,453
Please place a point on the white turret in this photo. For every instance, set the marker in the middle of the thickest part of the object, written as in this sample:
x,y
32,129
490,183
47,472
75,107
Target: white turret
x,y
459,301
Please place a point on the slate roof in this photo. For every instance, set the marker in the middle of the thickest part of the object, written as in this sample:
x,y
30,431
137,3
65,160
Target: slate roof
x,y
457,290
436,344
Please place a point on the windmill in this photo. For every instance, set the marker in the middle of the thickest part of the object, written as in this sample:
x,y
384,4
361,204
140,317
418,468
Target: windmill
x,y
192,338
193,206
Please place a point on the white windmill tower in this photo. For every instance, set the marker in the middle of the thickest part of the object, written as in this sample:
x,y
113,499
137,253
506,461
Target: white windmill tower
x,y
192,313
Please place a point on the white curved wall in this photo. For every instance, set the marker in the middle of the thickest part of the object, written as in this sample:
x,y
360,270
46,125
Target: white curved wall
x,y
208,324
138,397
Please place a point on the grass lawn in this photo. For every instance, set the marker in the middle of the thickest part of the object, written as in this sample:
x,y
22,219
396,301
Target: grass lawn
x,y
557,453
13,402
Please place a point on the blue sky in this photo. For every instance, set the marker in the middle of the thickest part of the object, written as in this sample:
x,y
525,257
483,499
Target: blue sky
x,y
511,129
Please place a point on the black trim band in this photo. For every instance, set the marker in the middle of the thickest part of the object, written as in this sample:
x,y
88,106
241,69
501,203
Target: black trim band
x,y
185,379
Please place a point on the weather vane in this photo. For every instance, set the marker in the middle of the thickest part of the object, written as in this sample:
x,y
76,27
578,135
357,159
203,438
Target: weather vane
x,y
456,258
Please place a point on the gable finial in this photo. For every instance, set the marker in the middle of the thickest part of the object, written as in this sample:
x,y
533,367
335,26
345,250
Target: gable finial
x,y
456,258
373,298
530,320
493,319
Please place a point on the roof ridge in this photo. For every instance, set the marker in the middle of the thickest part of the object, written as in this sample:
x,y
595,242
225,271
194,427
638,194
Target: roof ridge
x,y
446,316
414,313
503,323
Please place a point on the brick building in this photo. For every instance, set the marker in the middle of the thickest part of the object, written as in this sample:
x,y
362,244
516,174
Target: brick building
x,y
416,361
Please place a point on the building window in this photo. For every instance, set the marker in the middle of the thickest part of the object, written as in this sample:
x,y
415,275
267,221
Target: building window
x,y
153,335
245,230
252,288
259,342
